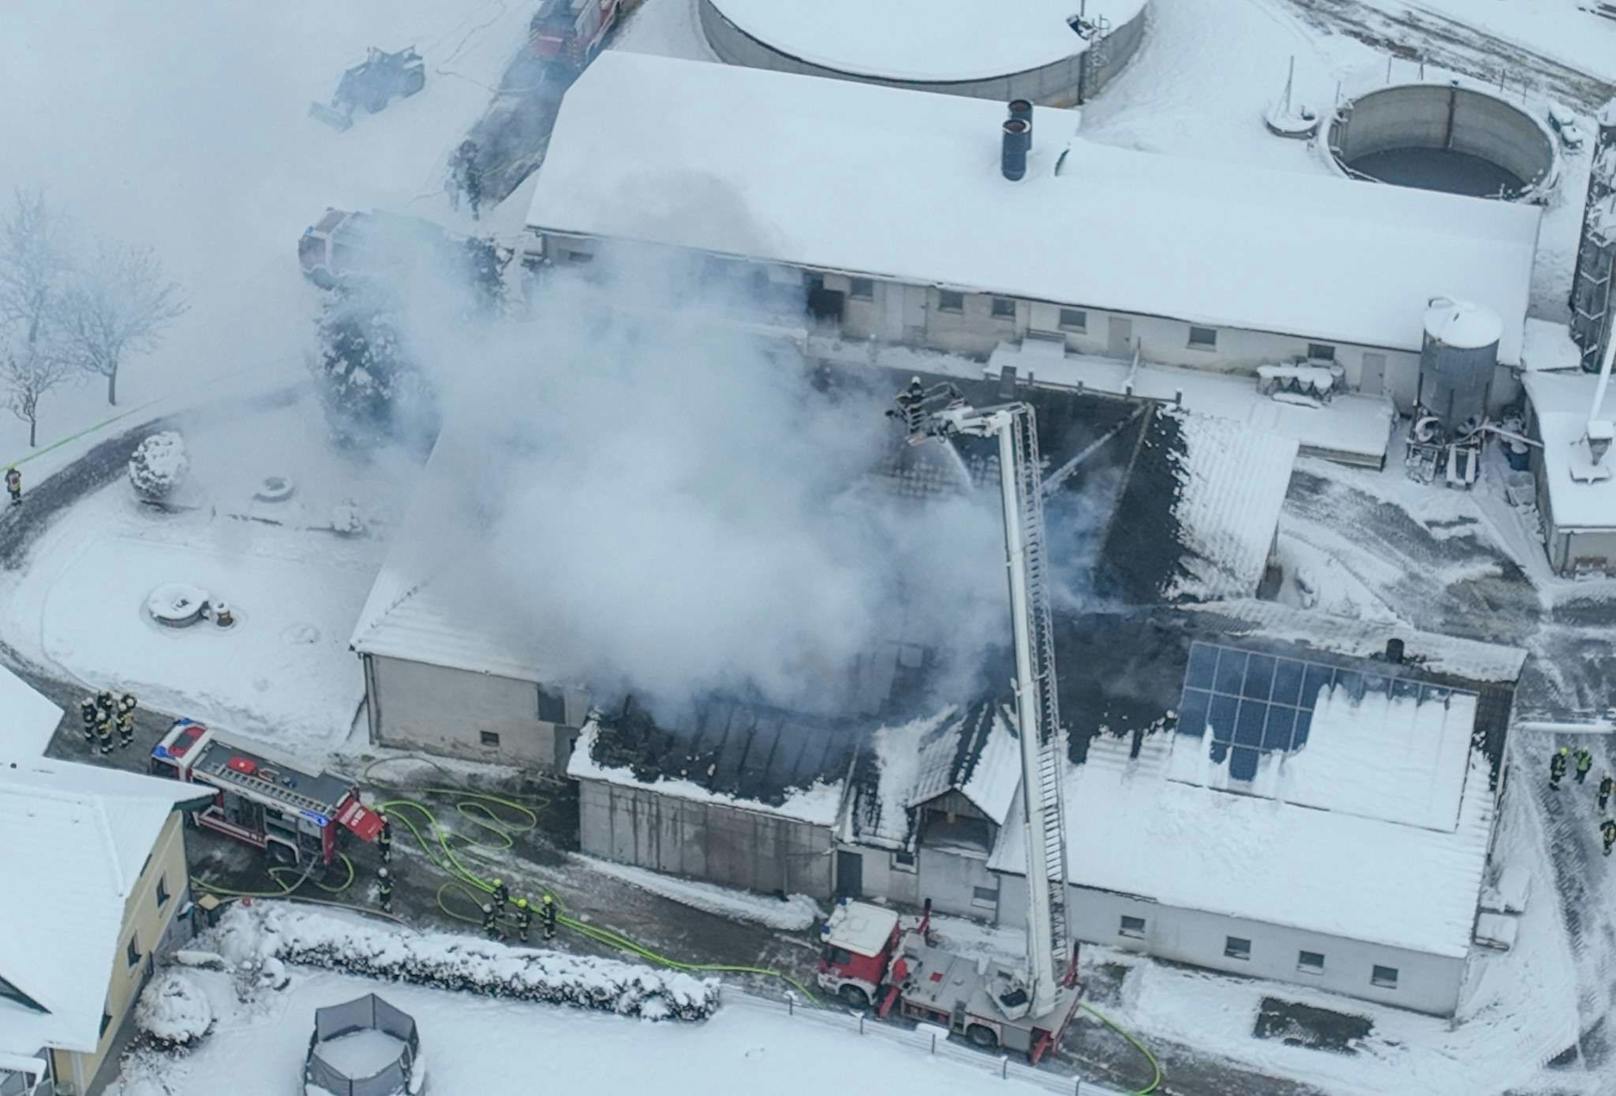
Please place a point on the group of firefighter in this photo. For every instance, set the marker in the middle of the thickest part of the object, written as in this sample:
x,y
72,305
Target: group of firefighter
x,y
1581,761
103,713
497,925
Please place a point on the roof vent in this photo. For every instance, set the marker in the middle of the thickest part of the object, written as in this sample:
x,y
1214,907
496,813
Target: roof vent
x,y
1022,108
1600,433
1394,650
1013,154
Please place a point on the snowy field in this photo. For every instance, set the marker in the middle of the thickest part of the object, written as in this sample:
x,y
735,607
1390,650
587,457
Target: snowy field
x,y
283,671
1565,30
473,1044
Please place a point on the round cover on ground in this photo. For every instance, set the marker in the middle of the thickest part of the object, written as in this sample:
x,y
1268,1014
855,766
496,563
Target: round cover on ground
x,y
177,604
363,1047
274,489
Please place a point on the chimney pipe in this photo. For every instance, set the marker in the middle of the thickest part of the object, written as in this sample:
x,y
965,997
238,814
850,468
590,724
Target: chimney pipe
x,y
1599,434
1022,108
1394,650
1013,152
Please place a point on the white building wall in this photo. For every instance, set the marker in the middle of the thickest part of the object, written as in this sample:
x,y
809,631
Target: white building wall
x,y
1425,983
439,709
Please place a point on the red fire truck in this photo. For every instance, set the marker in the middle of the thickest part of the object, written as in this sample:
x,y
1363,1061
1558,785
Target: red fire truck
x,y
292,815
571,31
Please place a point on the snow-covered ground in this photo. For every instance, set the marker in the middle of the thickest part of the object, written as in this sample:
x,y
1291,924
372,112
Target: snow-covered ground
x,y
1566,30
282,671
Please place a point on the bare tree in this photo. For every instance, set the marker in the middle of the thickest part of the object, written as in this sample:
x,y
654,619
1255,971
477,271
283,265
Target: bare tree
x,y
33,266
27,374
117,307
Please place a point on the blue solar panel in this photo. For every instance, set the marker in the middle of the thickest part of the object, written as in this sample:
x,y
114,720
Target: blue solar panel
x,y
1248,703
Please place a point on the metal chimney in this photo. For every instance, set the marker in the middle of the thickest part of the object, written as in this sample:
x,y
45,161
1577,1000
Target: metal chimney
x,y
1022,108
1599,435
1013,152
1394,650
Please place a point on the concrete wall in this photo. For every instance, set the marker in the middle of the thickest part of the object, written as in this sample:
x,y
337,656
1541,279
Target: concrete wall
x,y
416,705
1052,85
714,842
152,928
1425,983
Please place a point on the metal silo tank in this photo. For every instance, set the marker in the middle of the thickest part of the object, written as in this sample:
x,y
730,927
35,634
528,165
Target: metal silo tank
x,y
1459,355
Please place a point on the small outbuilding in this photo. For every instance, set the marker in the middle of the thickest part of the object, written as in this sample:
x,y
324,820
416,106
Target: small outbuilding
x,y
1575,471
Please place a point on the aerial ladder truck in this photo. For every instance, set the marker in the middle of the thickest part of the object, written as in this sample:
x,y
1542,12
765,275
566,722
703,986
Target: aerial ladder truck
x,y
869,958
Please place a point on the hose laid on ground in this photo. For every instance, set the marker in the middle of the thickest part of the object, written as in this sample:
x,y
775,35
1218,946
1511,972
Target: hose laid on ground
x,y
279,873
1155,1066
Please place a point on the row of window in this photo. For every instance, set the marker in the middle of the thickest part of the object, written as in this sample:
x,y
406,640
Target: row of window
x,y
1239,947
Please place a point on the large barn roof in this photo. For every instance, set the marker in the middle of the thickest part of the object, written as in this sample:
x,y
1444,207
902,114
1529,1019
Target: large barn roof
x,y
898,184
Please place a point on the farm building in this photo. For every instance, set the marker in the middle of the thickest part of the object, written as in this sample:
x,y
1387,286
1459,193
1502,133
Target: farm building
x,y
1042,50
1220,748
1576,491
1086,250
106,855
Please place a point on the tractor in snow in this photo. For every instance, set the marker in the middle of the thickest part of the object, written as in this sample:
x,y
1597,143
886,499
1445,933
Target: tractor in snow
x,y
373,83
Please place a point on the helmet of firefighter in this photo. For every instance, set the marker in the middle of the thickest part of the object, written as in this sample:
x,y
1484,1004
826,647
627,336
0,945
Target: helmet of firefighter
x,y
1564,750
549,899
521,903
382,873
498,883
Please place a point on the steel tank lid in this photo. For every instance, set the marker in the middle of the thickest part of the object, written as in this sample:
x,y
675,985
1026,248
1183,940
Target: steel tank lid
x,y
1463,324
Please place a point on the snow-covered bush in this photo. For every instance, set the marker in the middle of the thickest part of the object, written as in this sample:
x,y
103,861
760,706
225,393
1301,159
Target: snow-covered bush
x,y
347,519
173,1011
158,466
371,389
269,930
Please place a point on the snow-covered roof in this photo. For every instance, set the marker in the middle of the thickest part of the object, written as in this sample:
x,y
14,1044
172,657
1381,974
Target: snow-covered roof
x,y
77,839
1548,346
1561,403
860,928
817,803
27,719
1136,831
922,40
856,177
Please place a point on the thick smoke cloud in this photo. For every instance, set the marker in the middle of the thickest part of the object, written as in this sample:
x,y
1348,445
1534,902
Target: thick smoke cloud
x,y
669,506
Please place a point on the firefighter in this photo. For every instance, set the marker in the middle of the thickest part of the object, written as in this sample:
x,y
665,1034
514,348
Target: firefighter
x,y
384,841
1607,830
502,894
385,893
524,919
1557,766
490,924
1585,761
547,911
126,720
103,726
1606,784
87,716
14,485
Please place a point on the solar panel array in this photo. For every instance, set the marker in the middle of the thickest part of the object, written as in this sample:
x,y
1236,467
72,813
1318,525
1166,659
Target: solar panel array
x,y
1251,703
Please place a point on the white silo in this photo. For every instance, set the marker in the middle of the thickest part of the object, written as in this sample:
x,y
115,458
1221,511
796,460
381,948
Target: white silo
x,y
1459,356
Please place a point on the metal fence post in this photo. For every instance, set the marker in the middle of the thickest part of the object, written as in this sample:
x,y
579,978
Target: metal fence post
x,y
861,1023
934,1042
791,1003
1004,1066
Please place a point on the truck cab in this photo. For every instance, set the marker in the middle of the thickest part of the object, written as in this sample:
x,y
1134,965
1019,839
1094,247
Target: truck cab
x,y
857,944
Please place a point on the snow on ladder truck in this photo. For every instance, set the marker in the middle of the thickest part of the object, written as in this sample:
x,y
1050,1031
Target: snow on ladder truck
x,y
869,958
294,816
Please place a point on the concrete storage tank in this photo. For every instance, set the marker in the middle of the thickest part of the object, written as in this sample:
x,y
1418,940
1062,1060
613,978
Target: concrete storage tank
x,y
1457,362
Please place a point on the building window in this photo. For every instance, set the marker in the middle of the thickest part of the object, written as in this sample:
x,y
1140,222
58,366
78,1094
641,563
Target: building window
x,y
903,861
1131,926
488,738
1004,308
162,891
1074,319
861,289
950,301
552,709
132,952
1384,977
1203,338
1310,962
1320,352
985,896
1236,947
579,256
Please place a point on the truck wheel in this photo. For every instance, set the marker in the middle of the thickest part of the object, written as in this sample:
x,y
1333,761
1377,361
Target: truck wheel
x,y
281,855
414,81
853,996
982,1036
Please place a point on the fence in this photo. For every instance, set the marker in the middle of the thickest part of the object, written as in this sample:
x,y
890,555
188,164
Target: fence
x,y
362,1014
923,1039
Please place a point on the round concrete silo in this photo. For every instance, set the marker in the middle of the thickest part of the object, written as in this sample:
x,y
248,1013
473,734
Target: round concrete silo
x,y
1457,361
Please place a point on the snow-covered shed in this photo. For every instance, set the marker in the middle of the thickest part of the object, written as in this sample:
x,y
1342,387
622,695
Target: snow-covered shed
x,y
1271,792
1575,472
1108,250
95,873
928,799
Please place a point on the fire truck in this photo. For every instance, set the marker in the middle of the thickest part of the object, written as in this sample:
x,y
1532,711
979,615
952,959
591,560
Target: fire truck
x,y
869,958
294,816
571,31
